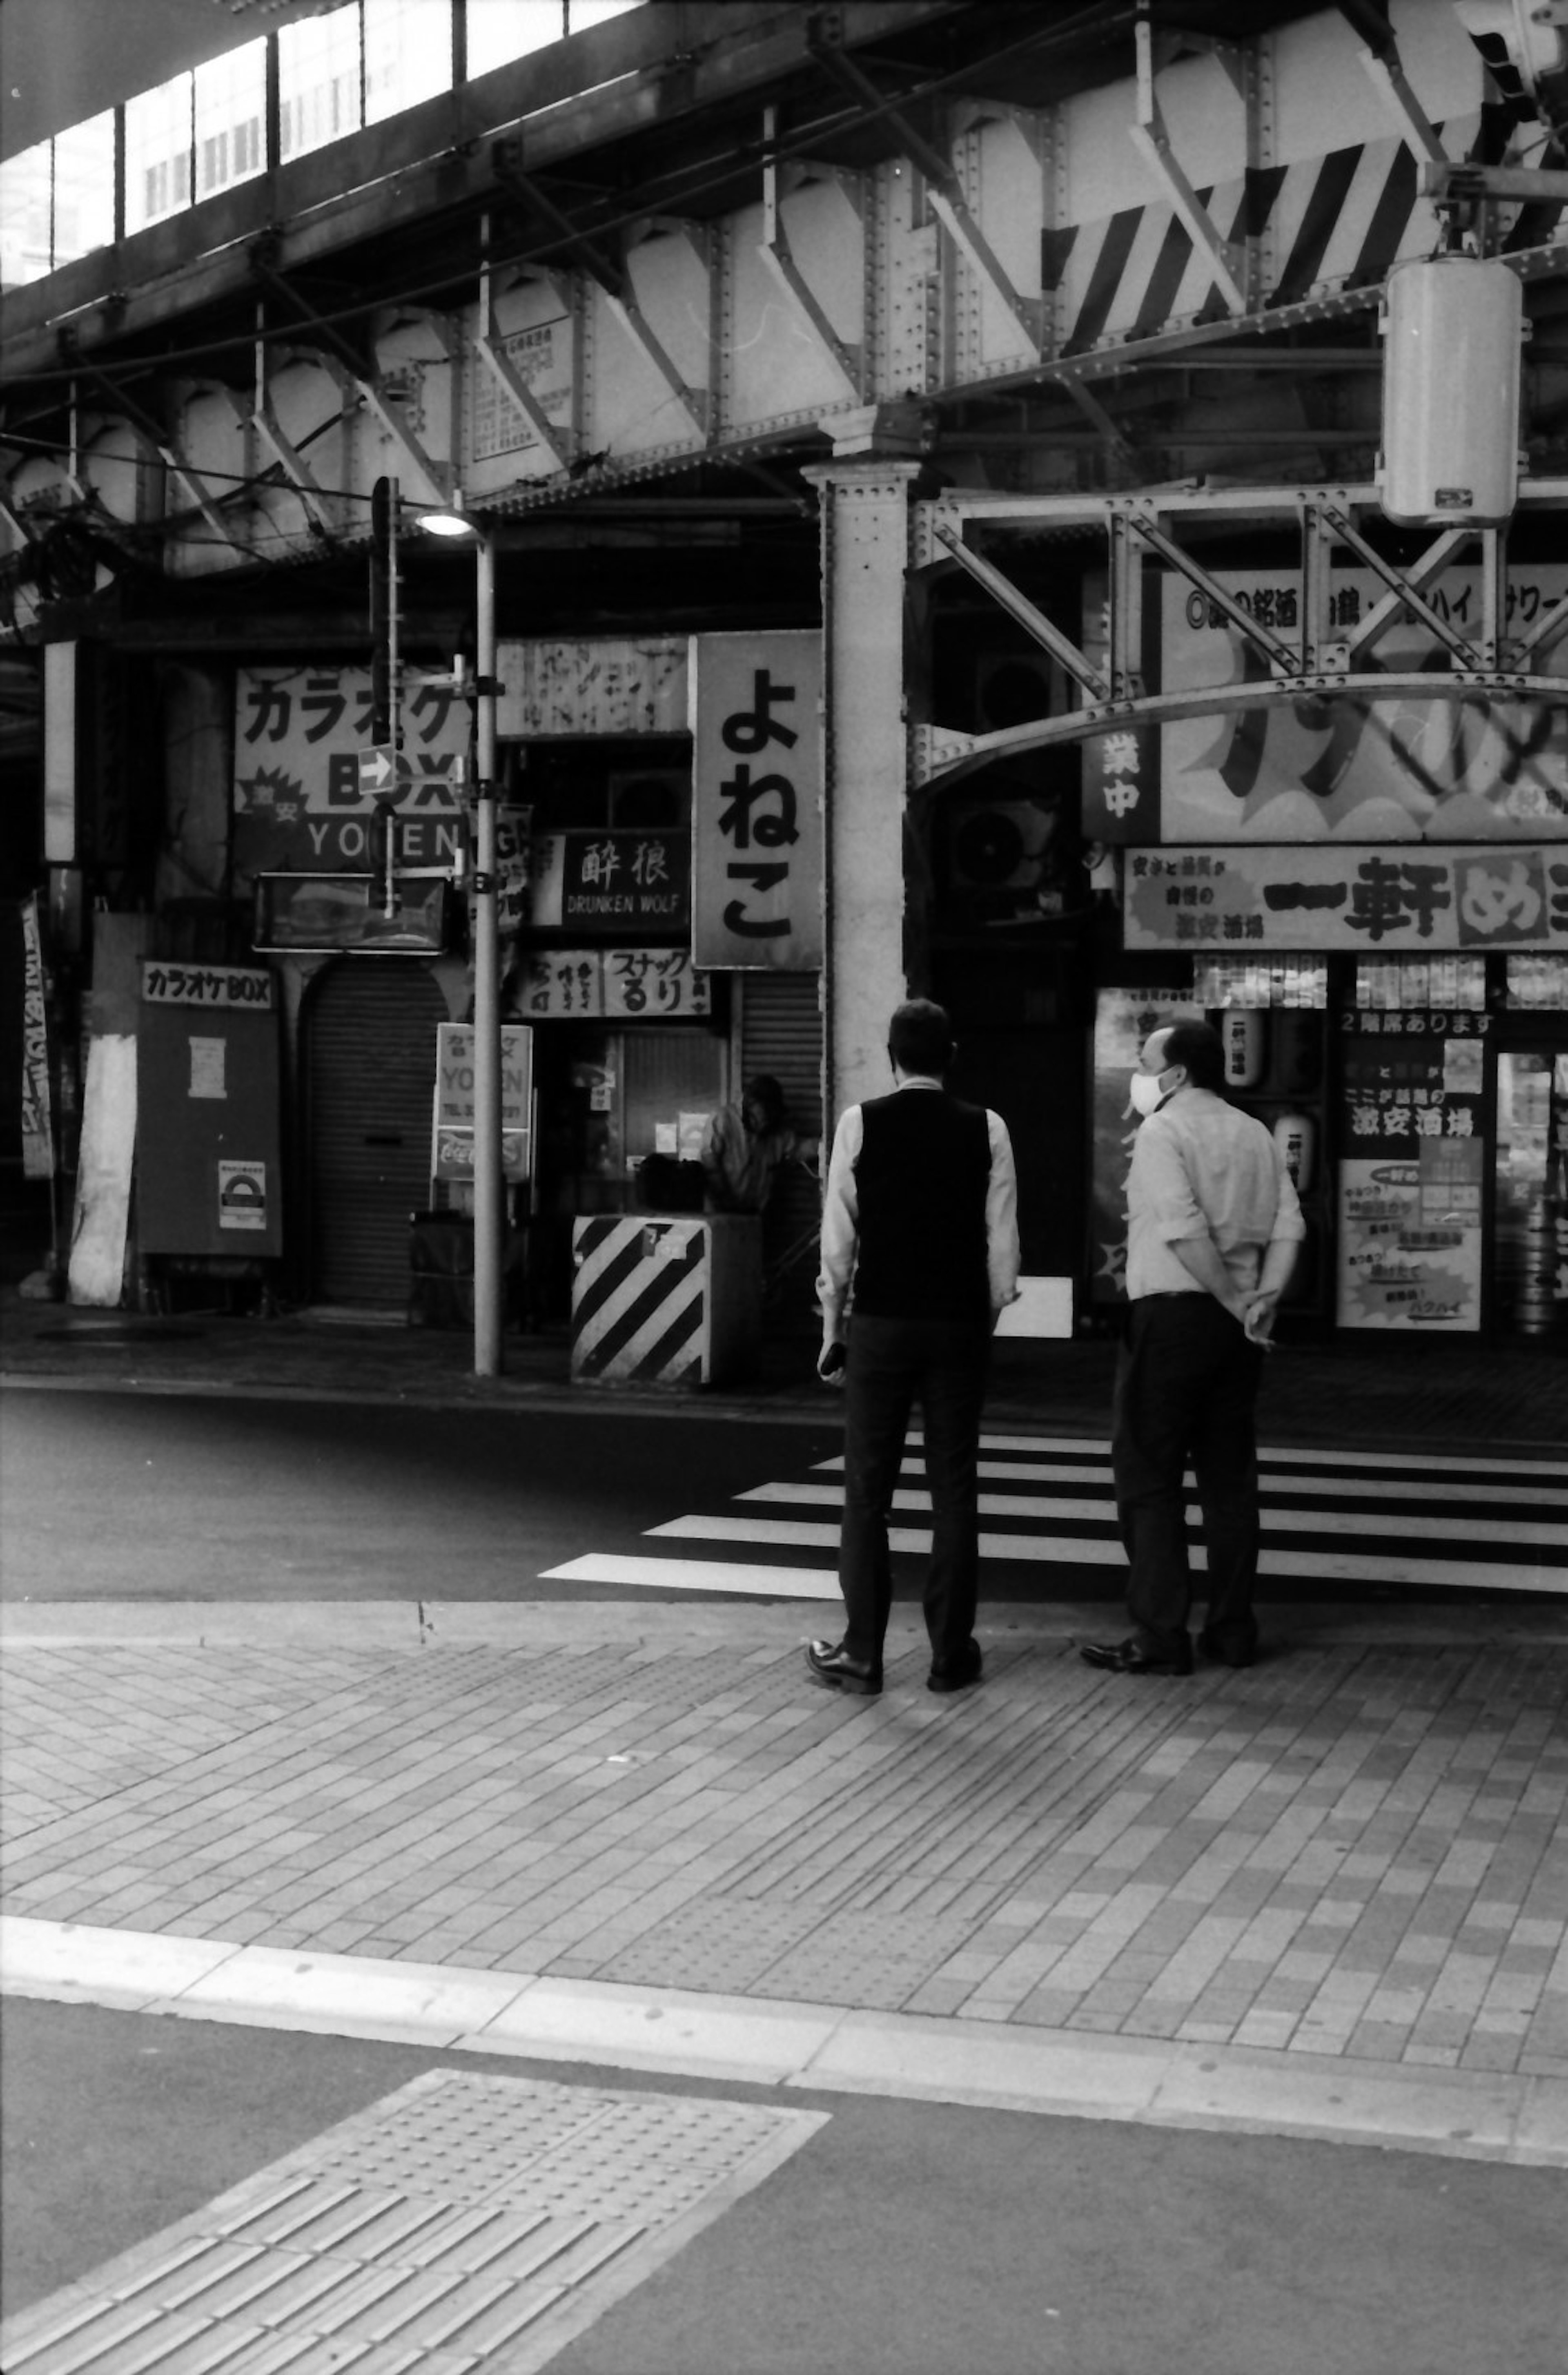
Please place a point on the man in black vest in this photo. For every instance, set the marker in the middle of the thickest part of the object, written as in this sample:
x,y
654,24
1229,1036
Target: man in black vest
x,y
921,1212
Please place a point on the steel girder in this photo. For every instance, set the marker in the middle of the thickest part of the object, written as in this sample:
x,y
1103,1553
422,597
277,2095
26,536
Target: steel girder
x,y
1313,663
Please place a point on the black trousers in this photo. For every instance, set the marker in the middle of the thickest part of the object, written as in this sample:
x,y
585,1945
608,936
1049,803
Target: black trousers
x,y
1186,1391
892,1365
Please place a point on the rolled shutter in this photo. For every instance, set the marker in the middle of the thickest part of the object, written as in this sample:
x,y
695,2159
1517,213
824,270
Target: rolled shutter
x,y
370,1057
780,1032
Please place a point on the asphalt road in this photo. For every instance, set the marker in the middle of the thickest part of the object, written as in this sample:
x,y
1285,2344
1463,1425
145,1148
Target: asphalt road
x,y
901,2238
187,1497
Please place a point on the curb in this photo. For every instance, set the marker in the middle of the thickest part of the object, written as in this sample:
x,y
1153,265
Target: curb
x,y
1475,2115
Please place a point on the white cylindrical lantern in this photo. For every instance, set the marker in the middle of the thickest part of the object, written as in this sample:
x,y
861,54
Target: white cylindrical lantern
x,y
1295,1135
1452,327
1244,1030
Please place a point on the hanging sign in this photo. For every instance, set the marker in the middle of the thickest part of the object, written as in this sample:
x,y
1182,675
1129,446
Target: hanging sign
x,y
757,802
1425,899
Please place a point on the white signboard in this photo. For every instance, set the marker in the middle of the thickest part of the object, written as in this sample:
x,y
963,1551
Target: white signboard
x,y
757,802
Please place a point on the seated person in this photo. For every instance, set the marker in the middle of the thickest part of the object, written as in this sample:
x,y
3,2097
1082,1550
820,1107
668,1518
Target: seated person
x,y
745,1145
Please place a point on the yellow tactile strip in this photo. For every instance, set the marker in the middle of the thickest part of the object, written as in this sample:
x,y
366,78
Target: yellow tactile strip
x,y
460,2223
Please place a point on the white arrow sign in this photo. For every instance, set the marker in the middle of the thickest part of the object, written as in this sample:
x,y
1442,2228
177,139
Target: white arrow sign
x,y
382,765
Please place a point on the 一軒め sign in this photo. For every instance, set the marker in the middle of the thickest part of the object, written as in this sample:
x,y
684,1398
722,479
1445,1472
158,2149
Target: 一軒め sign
x,y
757,802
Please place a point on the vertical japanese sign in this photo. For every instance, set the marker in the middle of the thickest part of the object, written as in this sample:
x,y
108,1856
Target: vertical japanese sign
x,y
452,1134
757,802
1415,1130
38,1121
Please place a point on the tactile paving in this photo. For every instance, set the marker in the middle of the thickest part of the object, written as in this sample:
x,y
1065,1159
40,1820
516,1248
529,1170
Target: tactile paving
x,y
465,2222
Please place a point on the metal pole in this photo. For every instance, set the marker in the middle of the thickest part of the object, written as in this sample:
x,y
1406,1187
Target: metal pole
x,y
488,1182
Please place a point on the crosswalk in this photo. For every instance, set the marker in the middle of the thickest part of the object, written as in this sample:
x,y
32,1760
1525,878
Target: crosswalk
x,y
1370,1520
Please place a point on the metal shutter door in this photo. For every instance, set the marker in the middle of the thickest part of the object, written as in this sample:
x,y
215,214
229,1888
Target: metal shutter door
x,y
370,1058
780,1032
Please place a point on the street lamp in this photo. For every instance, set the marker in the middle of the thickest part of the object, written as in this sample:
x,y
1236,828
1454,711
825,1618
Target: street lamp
x,y
487,1181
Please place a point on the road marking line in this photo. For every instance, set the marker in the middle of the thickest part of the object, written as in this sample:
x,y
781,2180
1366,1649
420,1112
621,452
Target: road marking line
x,y
1321,1564
1525,1531
1331,1459
696,1575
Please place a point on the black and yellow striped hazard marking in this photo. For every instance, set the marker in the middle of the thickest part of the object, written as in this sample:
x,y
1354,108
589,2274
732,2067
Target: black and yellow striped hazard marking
x,y
640,1301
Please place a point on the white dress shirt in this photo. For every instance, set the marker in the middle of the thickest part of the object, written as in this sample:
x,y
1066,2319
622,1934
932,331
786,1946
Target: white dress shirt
x,y
840,1213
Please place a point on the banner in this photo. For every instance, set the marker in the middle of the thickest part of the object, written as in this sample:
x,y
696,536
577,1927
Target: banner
x,y
1425,899
37,1111
1352,769
757,802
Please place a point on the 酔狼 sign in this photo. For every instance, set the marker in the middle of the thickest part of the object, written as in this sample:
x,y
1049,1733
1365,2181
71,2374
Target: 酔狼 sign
x,y
1414,897
757,802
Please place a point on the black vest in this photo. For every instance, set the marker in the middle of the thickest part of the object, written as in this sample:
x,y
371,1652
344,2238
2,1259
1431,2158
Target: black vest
x,y
921,1182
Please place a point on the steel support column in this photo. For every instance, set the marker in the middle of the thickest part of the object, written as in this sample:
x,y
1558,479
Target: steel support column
x,y
865,521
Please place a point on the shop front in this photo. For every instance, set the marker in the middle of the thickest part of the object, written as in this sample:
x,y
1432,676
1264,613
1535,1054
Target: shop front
x,y
1421,1100
660,898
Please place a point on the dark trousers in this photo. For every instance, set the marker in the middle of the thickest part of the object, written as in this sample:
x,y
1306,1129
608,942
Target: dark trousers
x,y
892,1365
1186,1390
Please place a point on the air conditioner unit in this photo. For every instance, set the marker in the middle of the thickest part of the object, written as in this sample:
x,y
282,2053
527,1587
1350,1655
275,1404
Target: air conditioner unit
x,y
1010,688
998,844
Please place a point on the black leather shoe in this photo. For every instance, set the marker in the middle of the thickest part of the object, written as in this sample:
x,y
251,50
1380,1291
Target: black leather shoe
x,y
963,1671
1220,1653
1130,1656
830,1663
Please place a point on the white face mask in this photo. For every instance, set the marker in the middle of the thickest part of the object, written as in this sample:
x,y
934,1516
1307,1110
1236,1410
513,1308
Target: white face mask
x,y
1147,1093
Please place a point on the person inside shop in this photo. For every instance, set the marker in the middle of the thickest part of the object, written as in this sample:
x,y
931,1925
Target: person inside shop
x,y
920,1219
745,1146
1213,1224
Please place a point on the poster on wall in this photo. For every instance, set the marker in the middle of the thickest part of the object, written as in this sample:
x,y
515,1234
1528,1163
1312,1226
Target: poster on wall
x,y
1352,769
1425,901
299,807
757,802
1416,1123
1122,1021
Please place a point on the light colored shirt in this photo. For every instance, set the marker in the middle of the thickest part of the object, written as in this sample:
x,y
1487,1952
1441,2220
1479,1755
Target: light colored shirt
x,y
840,1214
1201,1167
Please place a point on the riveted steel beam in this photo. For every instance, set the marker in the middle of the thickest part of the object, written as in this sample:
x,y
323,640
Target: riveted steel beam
x,y
1020,609
945,757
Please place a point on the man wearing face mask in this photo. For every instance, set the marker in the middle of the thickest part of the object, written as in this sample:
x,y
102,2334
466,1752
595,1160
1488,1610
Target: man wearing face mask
x,y
1213,1224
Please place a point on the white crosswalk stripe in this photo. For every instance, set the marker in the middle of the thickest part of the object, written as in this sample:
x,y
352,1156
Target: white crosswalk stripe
x,y
1348,1518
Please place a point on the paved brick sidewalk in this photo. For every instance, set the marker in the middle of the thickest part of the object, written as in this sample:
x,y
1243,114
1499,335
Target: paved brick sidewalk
x,y
1357,1848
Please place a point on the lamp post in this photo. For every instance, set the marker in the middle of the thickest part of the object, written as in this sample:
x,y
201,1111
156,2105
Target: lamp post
x,y
488,1234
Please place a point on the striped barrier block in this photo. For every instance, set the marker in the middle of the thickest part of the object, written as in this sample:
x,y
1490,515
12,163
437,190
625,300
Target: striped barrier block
x,y
666,1302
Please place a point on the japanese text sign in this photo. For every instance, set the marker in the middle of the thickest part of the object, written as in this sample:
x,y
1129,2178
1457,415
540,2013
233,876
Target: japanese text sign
x,y
636,985
1354,769
1421,898
451,1146
757,802
618,883
300,805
